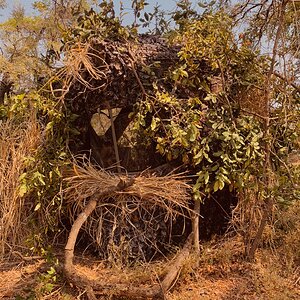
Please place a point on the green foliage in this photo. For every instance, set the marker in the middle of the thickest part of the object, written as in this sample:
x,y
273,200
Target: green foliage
x,y
48,281
210,49
223,150
184,13
208,132
21,55
42,180
98,25
46,284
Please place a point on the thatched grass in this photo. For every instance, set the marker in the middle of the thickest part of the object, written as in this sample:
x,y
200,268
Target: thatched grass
x,y
17,141
131,223
79,59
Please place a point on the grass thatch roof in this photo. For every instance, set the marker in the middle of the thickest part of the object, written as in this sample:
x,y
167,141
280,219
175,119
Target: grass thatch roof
x,y
105,72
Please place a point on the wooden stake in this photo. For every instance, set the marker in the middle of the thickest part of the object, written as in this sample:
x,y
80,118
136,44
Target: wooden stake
x,y
196,226
116,149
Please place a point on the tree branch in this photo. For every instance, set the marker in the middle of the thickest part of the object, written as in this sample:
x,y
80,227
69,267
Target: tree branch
x,y
296,87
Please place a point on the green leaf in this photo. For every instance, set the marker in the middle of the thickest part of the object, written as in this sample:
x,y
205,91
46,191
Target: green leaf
x,y
22,176
49,287
221,184
215,168
211,97
184,73
22,189
184,141
193,132
198,157
216,185
37,207
74,131
206,177
154,122
197,196
40,177
51,271
207,157
218,153
49,126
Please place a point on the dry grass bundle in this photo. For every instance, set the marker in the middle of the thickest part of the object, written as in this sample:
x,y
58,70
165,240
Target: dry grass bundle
x,y
17,141
135,222
247,215
83,64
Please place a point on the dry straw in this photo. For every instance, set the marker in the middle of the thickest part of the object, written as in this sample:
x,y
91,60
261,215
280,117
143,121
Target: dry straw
x,y
17,141
83,64
130,218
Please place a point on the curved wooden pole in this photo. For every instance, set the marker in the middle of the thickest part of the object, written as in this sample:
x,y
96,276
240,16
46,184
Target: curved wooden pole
x,y
69,249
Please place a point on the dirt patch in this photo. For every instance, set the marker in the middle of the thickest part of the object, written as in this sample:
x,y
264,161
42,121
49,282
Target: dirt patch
x,y
222,274
17,280
203,289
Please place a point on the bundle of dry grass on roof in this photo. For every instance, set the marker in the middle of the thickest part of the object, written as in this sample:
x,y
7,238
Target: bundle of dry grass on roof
x,y
135,223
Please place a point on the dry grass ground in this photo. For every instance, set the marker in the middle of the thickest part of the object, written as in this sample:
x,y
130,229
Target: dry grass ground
x,y
222,274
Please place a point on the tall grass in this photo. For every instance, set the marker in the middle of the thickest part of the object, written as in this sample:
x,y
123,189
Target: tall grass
x,y
18,140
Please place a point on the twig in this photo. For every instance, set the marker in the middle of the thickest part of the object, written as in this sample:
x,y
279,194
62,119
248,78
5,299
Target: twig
x,y
135,73
27,258
287,168
195,221
296,87
253,113
114,140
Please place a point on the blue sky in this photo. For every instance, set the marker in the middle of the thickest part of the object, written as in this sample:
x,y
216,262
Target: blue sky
x,y
167,5
5,13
